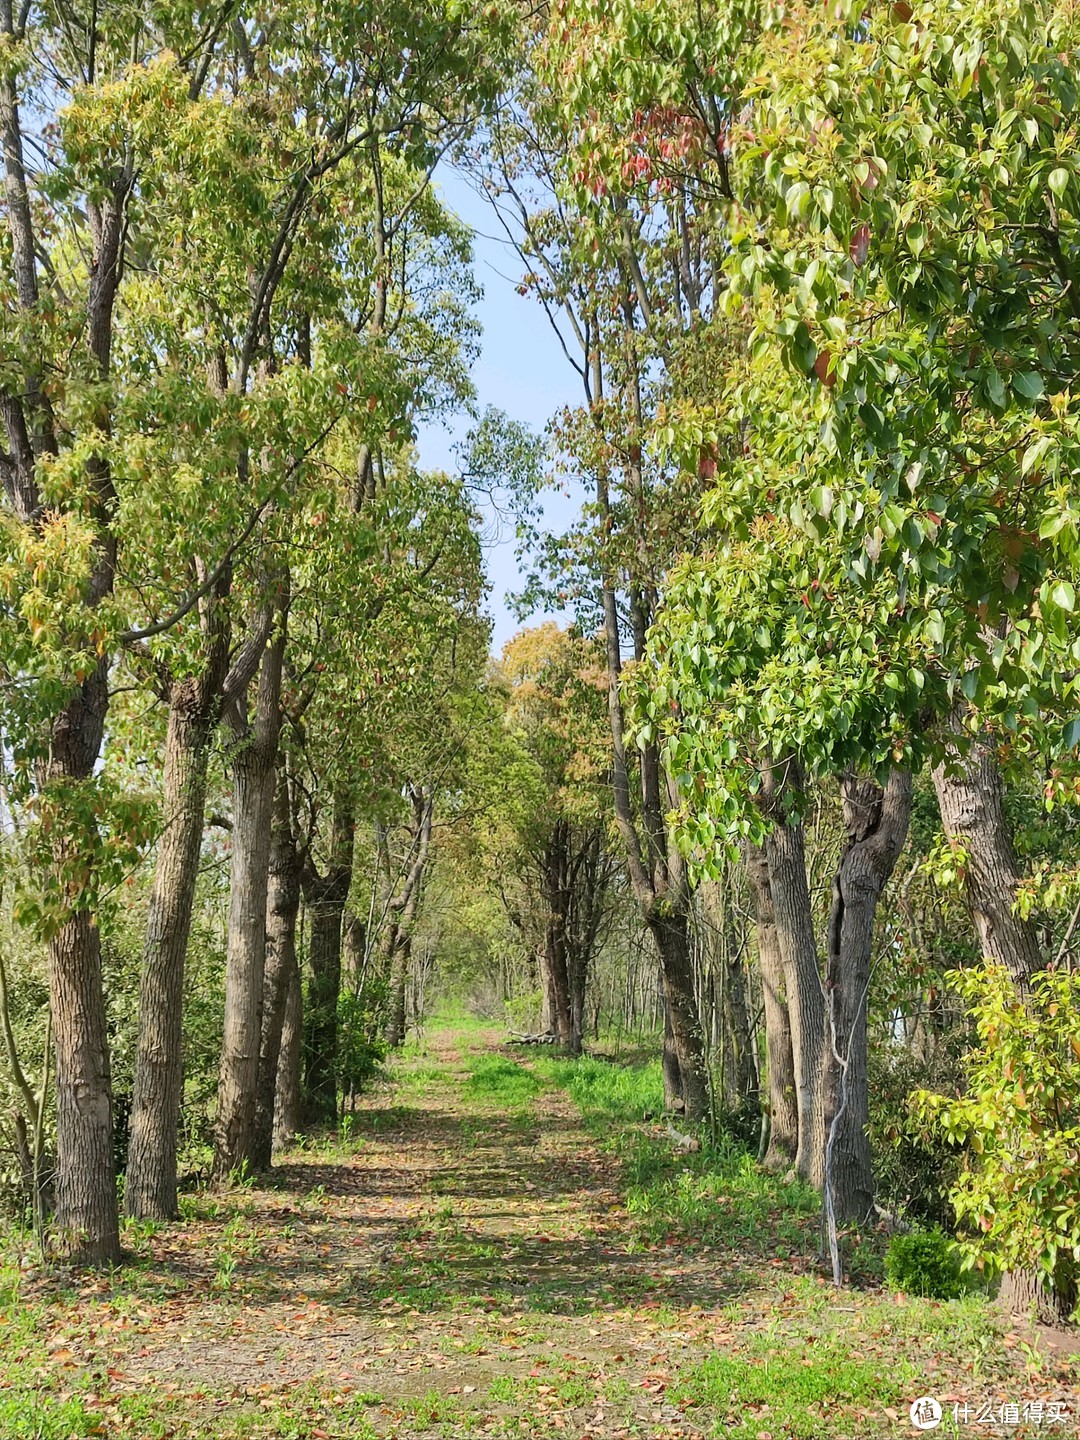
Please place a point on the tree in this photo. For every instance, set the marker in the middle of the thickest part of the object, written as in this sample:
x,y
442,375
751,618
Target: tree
x,y
901,240
558,816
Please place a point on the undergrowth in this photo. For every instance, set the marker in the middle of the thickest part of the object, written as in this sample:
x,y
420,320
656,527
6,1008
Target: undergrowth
x,y
716,1195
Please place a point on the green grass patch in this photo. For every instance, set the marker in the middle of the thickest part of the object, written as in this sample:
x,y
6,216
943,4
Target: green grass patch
x,y
796,1392
605,1091
716,1196
502,1081
38,1417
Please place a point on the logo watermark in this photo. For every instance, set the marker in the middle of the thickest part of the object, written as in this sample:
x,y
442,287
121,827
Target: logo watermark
x,y
927,1413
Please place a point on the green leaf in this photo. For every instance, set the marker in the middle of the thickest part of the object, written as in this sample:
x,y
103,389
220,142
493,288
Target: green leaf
x,y
1058,180
1063,596
1029,383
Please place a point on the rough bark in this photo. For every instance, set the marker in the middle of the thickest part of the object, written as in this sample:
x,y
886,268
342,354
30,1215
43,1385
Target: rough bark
x,y
150,1188
282,908
782,1104
876,822
970,797
672,935
86,1229
1027,1293
793,919
397,993
253,767
287,1093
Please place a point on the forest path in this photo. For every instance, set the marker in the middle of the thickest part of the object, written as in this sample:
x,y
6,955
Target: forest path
x,y
465,1261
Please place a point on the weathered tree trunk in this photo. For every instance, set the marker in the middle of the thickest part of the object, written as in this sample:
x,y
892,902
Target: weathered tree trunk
x,y
287,1094
150,1186
669,1059
1027,1293
783,1111
87,1227
253,766
396,1017
794,924
876,821
672,936
970,798
282,908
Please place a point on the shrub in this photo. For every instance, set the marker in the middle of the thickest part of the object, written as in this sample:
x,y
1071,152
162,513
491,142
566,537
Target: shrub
x,y
924,1262
915,1164
1017,1199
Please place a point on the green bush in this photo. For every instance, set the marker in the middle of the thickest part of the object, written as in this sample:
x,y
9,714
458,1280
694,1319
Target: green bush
x,y
924,1262
1016,1201
915,1165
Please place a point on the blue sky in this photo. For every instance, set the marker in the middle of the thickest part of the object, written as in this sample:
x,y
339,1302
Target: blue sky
x,y
521,370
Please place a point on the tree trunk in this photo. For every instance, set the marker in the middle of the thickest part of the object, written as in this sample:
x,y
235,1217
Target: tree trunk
x,y
87,1226
740,1078
325,908
253,767
969,792
555,933
782,1105
287,1093
1027,1293
402,911
353,949
150,1187
195,707
970,798
876,821
398,986
669,1059
282,908
87,1221
548,1005
793,919
671,933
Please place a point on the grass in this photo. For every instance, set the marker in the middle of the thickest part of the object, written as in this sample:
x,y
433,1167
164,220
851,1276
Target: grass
x,y
501,1082
794,1391
716,1195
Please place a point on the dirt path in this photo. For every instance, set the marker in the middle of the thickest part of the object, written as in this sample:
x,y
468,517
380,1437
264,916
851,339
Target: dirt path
x,y
466,1263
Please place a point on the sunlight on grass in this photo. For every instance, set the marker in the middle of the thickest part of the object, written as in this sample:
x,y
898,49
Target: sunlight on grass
x,y
795,1392
718,1195
502,1081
